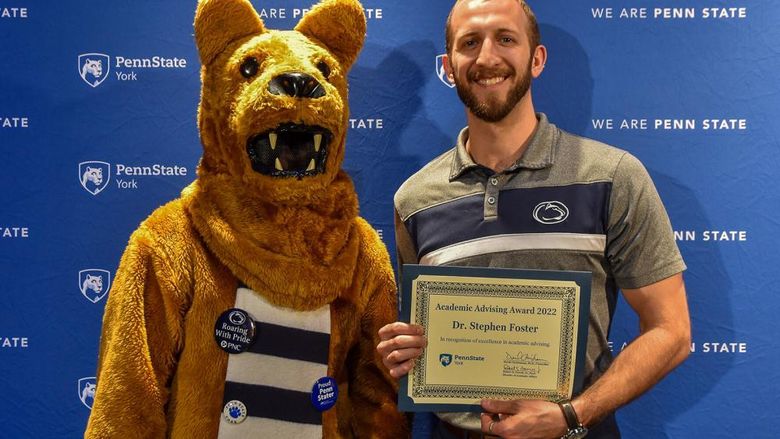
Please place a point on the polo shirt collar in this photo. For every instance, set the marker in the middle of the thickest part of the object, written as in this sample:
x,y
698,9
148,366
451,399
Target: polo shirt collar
x,y
538,154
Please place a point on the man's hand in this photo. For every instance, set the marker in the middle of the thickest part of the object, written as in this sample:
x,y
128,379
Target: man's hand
x,y
526,419
401,343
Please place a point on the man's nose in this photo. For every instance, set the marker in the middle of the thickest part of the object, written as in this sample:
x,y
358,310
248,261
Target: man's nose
x,y
488,56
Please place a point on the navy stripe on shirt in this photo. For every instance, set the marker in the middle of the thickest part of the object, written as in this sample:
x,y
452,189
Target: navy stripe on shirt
x,y
463,219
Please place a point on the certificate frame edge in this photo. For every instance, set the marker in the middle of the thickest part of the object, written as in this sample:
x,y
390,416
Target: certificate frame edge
x,y
410,272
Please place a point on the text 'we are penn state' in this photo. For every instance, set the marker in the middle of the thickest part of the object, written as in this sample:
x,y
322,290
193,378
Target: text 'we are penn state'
x,y
677,124
709,347
658,13
284,13
687,124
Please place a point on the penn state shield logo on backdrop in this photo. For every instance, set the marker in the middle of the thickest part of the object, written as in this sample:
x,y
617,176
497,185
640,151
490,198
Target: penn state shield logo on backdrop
x,y
94,176
94,68
94,284
87,387
441,73
445,359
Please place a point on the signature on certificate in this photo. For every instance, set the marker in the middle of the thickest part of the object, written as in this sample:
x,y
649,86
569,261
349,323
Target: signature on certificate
x,y
521,357
511,370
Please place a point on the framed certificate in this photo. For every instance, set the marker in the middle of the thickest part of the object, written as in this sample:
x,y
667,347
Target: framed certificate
x,y
494,333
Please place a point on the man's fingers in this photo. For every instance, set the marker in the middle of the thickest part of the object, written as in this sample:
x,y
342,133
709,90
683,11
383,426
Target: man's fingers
x,y
490,424
499,406
391,330
399,328
402,369
401,355
400,349
401,342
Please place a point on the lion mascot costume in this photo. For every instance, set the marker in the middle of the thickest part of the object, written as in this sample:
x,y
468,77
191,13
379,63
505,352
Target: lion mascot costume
x,y
249,307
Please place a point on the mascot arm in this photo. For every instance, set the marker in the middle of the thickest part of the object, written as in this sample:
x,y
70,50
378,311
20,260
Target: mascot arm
x,y
372,390
142,334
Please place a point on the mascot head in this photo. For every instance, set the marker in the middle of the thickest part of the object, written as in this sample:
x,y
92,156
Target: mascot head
x,y
273,112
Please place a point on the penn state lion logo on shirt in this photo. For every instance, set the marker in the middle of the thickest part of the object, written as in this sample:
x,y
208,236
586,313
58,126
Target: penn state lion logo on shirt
x,y
551,212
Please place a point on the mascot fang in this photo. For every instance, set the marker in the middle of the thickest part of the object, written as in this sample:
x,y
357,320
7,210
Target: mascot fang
x,y
249,307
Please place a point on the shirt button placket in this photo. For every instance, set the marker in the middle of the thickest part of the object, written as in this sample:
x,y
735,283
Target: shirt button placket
x,y
491,198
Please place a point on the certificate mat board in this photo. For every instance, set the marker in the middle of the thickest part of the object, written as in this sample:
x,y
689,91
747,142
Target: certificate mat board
x,y
494,333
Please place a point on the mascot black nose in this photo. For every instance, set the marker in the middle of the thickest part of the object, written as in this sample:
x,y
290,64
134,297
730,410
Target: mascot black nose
x,y
297,85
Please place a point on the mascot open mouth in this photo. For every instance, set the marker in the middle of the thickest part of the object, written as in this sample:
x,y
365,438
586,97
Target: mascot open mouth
x,y
290,150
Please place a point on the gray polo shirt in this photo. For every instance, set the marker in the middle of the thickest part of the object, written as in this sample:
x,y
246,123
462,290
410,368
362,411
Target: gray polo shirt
x,y
569,203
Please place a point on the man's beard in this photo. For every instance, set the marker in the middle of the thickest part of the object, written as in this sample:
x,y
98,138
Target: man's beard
x,y
492,109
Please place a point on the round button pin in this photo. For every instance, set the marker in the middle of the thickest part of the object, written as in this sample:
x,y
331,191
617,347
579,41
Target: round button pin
x,y
324,393
234,412
234,331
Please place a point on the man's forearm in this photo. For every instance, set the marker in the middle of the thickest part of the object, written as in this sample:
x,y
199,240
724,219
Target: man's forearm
x,y
643,363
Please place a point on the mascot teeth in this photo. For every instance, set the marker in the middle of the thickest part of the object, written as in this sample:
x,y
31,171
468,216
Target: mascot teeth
x,y
317,142
290,150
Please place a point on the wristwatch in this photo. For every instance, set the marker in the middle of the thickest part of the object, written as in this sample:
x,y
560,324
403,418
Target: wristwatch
x,y
576,429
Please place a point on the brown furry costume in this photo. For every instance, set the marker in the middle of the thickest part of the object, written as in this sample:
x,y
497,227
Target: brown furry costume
x,y
286,227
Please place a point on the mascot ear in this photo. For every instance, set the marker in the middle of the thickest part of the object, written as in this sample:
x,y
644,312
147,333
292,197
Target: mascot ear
x,y
221,22
338,24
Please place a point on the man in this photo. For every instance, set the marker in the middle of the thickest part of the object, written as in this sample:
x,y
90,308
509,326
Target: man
x,y
474,206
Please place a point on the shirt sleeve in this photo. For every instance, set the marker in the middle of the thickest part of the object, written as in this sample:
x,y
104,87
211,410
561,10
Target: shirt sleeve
x,y
405,249
641,249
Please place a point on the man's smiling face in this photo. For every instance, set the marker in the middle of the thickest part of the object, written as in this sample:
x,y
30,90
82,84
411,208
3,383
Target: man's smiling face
x,y
490,59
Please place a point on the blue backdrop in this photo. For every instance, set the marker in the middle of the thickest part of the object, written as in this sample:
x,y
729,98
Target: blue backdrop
x,y
691,88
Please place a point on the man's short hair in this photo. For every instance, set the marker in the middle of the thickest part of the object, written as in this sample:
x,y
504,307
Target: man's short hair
x,y
534,37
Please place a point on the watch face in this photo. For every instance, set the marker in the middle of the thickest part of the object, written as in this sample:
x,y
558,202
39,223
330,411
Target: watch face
x,y
576,433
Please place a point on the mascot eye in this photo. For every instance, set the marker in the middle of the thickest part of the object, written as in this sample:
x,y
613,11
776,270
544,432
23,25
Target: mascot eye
x,y
324,69
249,67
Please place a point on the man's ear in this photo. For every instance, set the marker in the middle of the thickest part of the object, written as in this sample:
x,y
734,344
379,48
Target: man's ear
x,y
539,61
340,25
220,22
448,68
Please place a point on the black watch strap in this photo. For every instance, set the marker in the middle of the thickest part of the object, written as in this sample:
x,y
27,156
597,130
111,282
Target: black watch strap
x,y
568,412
